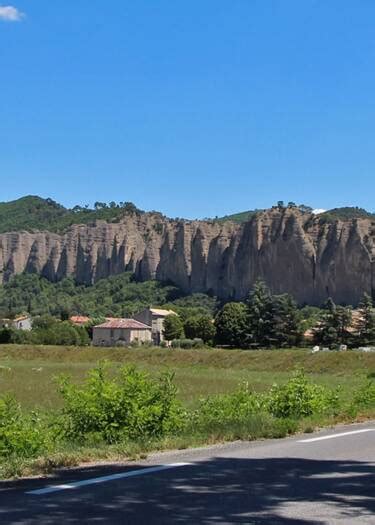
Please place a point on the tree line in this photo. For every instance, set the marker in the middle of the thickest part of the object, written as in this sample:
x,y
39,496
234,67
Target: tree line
x,y
266,320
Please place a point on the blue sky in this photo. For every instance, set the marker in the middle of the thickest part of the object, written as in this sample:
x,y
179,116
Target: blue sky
x,y
193,107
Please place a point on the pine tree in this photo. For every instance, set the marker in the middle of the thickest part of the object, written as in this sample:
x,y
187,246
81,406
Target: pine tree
x,y
333,328
287,326
365,326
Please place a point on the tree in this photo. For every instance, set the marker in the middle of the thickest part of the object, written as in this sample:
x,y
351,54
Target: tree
x,y
231,325
305,209
260,307
173,327
200,327
100,205
286,321
333,327
273,320
365,326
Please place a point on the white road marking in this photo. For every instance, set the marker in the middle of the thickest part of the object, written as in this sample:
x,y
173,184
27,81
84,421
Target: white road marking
x,y
103,479
333,436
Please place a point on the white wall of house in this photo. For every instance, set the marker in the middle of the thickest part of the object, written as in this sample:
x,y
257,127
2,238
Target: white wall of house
x,y
110,336
23,324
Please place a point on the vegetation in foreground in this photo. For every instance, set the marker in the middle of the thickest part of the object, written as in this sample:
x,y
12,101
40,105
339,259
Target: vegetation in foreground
x,y
124,414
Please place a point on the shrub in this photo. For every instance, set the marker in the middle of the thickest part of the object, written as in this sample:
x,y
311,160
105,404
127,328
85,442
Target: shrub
x,y
187,343
299,398
225,408
20,435
5,336
128,406
364,396
200,327
48,331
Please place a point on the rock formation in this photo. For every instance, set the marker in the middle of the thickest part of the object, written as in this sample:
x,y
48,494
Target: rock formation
x,y
292,251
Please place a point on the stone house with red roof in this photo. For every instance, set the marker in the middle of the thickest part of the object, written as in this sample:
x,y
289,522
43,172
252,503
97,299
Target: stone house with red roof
x,y
121,331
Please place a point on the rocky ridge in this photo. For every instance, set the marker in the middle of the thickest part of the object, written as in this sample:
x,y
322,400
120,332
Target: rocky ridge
x,y
292,251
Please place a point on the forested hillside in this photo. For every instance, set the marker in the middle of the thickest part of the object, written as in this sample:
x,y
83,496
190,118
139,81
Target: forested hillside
x,y
117,296
34,213
343,214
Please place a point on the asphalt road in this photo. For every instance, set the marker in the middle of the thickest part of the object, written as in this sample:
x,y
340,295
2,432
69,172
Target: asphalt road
x,y
271,482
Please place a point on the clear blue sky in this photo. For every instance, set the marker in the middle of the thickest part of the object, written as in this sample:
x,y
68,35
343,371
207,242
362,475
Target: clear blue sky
x,y
192,107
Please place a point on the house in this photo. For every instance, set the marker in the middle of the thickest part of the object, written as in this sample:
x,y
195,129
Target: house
x,y
21,322
154,317
125,331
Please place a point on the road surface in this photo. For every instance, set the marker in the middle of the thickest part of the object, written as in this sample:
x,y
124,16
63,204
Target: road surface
x,y
322,478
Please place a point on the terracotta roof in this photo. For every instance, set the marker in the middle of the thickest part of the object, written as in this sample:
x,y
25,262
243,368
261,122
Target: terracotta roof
x,y
158,311
124,323
79,319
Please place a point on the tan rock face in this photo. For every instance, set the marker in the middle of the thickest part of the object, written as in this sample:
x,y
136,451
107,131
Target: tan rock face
x,y
291,251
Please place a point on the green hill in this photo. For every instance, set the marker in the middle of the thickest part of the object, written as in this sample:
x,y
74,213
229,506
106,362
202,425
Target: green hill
x,y
238,217
347,213
116,296
34,213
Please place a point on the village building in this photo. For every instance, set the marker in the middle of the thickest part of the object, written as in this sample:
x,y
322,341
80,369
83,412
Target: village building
x,y
21,322
155,317
123,331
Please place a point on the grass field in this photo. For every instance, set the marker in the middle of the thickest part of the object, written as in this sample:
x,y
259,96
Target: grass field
x,y
29,372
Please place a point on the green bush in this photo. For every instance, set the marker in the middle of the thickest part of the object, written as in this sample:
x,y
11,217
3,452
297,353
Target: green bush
x,y
20,435
364,396
49,331
129,406
299,398
235,407
187,343
6,336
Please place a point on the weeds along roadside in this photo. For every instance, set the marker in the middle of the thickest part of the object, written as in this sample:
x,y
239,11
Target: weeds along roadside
x,y
132,414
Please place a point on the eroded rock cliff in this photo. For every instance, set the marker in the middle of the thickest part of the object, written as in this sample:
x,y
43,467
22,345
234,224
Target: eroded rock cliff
x,y
293,252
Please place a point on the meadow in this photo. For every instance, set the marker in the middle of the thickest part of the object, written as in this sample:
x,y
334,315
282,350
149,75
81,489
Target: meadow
x,y
30,372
